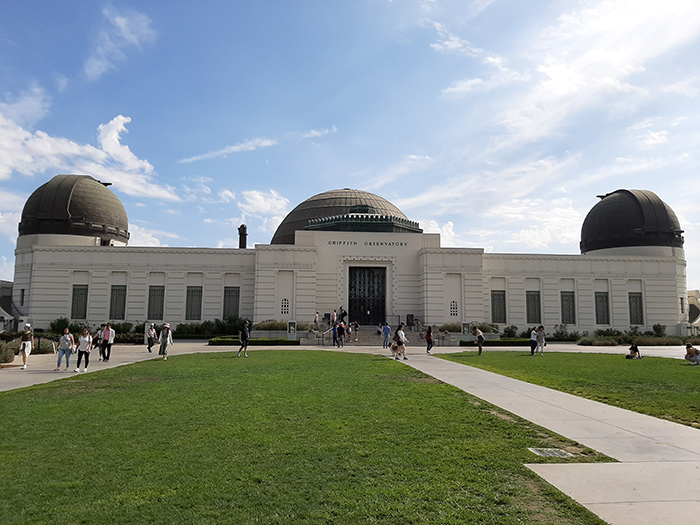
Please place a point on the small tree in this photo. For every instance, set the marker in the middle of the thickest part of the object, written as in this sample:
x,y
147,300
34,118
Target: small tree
x,y
659,330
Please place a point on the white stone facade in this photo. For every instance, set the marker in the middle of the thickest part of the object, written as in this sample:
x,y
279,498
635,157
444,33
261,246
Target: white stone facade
x,y
60,276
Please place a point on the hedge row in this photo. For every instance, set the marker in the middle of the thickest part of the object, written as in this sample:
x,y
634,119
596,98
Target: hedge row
x,y
234,341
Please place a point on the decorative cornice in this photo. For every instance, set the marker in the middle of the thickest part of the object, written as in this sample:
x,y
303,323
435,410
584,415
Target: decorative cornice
x,y
572,275
286,266
146,267
459,269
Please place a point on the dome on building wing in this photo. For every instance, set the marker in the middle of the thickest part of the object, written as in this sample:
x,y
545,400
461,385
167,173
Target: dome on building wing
x,y
75,205
630,218
343,210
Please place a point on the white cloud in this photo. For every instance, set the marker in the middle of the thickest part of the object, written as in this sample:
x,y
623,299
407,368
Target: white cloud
x,y
32,153
410,164
27,109
249,145
684,87
147,237
652,138
451,43
9,222
590,52
446,231
258,204
314,133
7,269
123,30
227,195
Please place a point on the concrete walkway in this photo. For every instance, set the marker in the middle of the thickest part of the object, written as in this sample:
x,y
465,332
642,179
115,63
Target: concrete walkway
x,y
656,482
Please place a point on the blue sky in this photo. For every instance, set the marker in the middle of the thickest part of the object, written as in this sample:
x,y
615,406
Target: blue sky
x,y
493,122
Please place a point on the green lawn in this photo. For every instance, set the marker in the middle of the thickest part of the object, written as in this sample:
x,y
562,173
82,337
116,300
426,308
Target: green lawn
x,y
660,387
282,437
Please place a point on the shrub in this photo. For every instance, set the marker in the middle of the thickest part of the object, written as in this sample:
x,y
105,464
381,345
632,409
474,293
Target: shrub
x,y
58,325
271,324
525,334
451,327
608,332
605,341
659,330
561,333
7,355
510,331
140,328
586,341
122,328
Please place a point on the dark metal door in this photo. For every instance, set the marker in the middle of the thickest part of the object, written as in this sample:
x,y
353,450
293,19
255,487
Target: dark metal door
x,y
367,295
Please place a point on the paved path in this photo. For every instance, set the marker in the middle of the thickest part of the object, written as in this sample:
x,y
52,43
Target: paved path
x,y
656,482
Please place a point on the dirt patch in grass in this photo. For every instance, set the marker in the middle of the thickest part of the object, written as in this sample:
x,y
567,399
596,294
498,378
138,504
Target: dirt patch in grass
x,y
504,417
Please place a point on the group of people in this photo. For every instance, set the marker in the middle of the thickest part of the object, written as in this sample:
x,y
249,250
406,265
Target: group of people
x,y
102,340
340,331
537,340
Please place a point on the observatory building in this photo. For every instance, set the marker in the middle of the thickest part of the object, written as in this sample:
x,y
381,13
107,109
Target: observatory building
x,y
346,248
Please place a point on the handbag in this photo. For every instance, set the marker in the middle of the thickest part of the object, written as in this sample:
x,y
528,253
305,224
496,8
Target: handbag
x,y
397,338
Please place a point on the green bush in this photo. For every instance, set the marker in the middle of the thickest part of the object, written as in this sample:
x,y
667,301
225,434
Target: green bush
x,y
451,327
9,336
561,333
271,324
122,328
659,330
208,329
608,332
510,331
7,355
586,341
608,340
58,325
140,328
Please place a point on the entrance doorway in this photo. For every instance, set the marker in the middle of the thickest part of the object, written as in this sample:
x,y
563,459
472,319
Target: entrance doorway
x,y
367,295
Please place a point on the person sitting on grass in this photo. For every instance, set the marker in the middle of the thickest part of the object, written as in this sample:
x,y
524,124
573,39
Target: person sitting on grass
x,y
692,354
634,352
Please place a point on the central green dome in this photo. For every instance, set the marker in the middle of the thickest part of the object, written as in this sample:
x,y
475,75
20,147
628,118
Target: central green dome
x,y
330,204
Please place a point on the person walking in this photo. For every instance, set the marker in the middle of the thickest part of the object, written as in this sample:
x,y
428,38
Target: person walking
x,y
84,347
244,336
26,344
65,347
165,339
356,326
429,340
107,341
341,335
401,340
479,339
540,340
151,337
97,341
386,332
335,335
316,322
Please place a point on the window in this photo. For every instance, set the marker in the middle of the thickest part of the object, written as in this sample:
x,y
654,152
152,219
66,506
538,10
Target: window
x,y
453,309
284,308
193,304
568,308
682,303
117,302
532,304
498,306
636,313
21,297
79,304
156,301
602,308
232,298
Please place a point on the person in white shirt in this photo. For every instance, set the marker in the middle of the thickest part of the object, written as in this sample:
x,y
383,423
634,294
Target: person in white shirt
x,y
84,346
107,340
165,339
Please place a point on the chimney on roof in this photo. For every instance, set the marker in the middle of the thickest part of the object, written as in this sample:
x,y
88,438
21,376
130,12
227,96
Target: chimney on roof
x,y
243,237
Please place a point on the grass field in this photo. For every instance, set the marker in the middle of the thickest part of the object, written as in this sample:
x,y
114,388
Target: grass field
x,y
282,437
660,387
